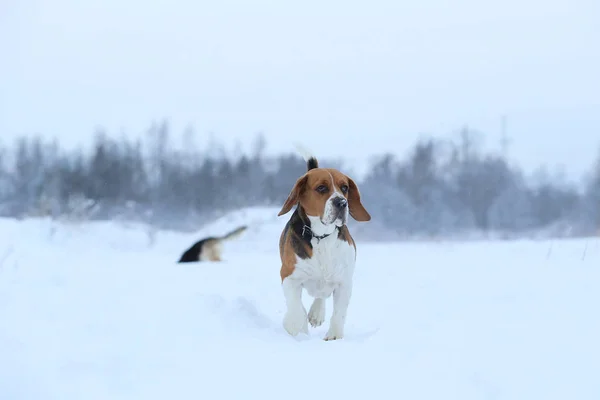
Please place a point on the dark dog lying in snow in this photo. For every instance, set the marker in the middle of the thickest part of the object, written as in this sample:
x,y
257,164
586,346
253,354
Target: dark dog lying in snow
x,y
210,248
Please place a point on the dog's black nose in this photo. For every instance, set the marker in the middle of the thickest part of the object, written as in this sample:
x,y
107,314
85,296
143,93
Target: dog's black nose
x,y
340,202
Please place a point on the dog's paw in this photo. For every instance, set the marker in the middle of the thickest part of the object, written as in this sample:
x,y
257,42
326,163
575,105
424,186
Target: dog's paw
x,y
295,322
335,332
331,336
316,314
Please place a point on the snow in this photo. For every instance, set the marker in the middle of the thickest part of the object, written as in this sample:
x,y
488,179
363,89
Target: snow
x,y
95,311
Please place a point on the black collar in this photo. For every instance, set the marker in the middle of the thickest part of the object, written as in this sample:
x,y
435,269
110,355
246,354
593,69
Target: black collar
x,y
306,231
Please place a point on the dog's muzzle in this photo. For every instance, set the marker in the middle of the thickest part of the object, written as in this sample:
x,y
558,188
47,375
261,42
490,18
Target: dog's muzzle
x,y
340,210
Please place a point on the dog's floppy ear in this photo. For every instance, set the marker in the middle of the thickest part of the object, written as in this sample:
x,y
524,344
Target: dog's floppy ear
x,y
294,195
357,211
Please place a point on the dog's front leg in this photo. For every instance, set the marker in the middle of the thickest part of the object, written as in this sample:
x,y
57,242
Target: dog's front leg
x,y
316,314
341,300
295,319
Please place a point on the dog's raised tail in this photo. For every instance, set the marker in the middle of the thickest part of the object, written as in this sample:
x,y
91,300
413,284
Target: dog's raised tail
x,y
234,233
311,160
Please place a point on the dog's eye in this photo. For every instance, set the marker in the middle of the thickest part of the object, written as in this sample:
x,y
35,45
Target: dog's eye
x,y
344,189
321,188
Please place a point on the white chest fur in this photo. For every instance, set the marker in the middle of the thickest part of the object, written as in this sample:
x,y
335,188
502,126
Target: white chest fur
x,y
331,264
329,271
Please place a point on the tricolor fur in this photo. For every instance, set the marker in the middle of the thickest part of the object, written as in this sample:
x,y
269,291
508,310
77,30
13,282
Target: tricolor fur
x,y
317,251
210,248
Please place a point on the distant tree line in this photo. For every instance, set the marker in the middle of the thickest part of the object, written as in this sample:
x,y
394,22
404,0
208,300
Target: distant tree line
x,y
441,188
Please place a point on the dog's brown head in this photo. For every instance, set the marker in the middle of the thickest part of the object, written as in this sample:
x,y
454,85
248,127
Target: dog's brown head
x,y
328,194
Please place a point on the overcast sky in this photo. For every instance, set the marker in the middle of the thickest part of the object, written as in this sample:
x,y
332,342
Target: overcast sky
x,y
348,78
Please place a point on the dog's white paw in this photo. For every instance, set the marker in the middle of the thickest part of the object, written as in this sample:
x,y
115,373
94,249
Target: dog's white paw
x,y
333,336
295,322
316,314
335,332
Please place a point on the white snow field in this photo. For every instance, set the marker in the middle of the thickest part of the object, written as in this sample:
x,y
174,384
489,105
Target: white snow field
x,y
93,311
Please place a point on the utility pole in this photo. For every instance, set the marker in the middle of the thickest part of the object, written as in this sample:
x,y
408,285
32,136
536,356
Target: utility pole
x,y
465,143
504,139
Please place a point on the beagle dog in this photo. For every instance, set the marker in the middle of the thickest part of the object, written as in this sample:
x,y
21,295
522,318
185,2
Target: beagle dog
x,y
317,251
210,248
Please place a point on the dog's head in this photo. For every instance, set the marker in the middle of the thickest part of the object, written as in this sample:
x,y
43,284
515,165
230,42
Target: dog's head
x,y
328,194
